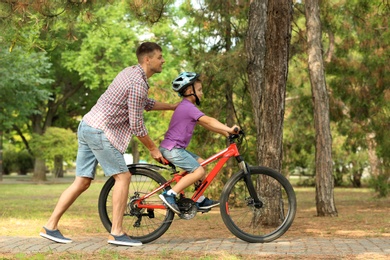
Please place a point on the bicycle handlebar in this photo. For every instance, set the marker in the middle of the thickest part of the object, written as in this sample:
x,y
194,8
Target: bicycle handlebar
x,y
238,136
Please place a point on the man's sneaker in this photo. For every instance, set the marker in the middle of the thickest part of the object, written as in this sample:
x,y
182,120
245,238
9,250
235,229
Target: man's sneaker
x,y
54,235
207,204
123,240
170,201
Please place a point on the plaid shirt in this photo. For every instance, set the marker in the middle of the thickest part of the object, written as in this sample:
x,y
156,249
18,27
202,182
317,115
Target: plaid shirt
x,y
119,110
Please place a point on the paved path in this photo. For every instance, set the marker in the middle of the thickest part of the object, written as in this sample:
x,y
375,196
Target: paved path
x,y
337,248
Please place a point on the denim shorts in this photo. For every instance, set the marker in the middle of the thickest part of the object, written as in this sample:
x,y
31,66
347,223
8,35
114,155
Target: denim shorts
x,y
95,148
182,158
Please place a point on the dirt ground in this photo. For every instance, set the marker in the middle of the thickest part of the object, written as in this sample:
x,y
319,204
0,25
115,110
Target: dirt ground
x,y
359,215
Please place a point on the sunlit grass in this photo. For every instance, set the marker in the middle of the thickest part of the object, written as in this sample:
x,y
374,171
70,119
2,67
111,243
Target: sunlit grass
x,y
25,208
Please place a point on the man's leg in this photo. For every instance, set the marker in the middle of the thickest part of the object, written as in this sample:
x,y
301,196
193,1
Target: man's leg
x,y
66,199
50,230
119,201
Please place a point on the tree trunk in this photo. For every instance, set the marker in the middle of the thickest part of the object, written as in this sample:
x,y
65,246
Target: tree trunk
x,y
267,47
372,157
323,157
1,155
39,170
230,119
59,166
134,150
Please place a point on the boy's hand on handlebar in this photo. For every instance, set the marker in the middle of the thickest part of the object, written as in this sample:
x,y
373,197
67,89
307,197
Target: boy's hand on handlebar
x,y
234,129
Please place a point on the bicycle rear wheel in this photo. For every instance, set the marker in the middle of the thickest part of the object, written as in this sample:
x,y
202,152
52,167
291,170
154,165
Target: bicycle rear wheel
x,y
141,224
258,224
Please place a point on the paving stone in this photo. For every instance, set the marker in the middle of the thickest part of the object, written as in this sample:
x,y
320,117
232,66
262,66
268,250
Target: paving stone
x,y
337,248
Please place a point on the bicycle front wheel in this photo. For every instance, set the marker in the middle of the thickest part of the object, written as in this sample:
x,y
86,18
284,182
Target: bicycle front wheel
x,y
142,224
252,222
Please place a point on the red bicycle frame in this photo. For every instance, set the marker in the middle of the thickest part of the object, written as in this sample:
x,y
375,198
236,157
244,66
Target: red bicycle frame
x,y
223,156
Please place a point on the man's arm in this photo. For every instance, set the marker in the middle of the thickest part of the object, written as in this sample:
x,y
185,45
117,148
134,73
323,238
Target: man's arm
x,y
154,151
164,106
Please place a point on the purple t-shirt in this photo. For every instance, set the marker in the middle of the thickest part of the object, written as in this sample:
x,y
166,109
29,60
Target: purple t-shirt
x,y
182,125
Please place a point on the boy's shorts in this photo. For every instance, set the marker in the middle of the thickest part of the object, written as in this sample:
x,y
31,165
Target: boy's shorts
x,y
95,148
182,158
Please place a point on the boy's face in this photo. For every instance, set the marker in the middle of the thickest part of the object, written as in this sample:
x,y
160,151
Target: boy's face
x,y
198,89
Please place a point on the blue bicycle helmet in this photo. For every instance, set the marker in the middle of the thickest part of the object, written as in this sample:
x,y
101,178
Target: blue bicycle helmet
x,y
184,80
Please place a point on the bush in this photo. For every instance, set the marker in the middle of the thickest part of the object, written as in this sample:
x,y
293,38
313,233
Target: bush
x,y
381,185
17,161
25,162
9,161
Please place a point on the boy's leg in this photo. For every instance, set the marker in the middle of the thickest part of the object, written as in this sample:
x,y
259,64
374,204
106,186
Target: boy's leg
x,y
189,179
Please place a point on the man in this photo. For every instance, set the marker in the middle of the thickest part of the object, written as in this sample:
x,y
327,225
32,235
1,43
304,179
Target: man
x,y
103,136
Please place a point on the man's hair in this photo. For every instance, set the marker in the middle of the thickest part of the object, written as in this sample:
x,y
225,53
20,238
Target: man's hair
x,y
146,48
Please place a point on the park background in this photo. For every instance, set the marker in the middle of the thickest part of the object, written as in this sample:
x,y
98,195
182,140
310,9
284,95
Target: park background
x,y
58,57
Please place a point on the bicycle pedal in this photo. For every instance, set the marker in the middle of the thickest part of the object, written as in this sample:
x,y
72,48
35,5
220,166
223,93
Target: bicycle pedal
x,y
203,210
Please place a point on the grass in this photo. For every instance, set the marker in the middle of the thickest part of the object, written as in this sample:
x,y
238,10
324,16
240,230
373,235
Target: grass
x,y
25,207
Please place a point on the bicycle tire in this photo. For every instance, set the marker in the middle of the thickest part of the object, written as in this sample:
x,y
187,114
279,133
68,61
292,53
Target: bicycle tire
x,y
154,223
252,224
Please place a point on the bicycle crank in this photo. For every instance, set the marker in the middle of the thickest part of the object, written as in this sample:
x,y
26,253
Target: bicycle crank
x,y
187,208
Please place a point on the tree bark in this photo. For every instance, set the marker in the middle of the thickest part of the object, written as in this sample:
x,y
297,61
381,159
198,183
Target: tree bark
x,y
39,170
323,157
267,47
59,166
1,155
372,157
134,150
230,118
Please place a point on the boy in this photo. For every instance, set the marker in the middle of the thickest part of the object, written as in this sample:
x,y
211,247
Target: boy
x,y
179,134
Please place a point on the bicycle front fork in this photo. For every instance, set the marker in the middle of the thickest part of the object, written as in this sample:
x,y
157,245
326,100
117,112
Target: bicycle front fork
x,y
249,184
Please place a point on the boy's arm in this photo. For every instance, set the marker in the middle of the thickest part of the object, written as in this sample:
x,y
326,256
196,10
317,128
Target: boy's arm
x,y
214,125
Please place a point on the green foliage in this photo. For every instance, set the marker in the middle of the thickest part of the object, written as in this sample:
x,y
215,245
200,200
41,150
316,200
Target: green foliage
x,y
24,76
381,184
34,25
356,47
55,141
87,43
108,45
15,160
359,70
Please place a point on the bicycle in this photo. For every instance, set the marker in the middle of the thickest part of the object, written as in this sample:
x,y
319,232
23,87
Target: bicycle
x,y
243,208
